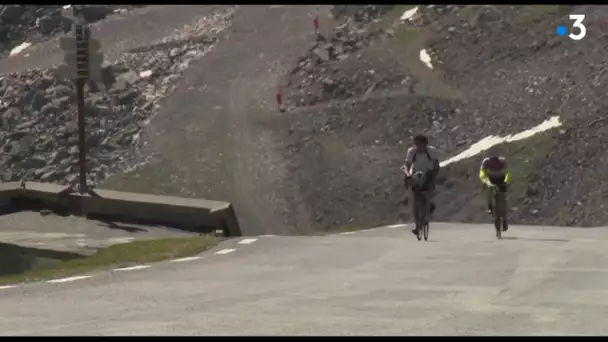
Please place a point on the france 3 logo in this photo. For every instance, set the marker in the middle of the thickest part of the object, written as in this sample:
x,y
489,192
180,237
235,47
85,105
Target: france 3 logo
x,y
576,26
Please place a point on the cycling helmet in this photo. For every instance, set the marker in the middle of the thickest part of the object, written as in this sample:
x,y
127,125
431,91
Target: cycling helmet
x,y
493,153
421,138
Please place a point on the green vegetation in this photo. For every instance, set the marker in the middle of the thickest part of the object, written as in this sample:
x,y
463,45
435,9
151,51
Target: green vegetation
x,y
406,34
139,181
121,255
469,13
532,13
525,161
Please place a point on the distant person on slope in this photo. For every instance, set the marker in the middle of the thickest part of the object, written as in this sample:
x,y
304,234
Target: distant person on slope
x,y
425,158
494,172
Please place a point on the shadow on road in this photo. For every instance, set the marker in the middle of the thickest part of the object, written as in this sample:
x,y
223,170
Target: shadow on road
x,y
534,239
16,259
127,228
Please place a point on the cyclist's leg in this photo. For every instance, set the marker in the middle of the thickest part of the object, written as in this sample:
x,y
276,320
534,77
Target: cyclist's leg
x,y
429,186
502,187
431,197
414,209
499,183
406,186
488,194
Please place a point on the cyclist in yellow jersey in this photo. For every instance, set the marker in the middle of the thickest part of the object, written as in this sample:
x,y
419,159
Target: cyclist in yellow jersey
x,y
494,172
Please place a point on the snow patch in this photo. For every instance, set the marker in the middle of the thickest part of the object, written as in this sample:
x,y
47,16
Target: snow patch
x,y
409,14
145,74
492,140
425,58
19,48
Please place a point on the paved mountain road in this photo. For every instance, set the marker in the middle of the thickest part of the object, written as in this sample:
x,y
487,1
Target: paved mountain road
x,y
376,282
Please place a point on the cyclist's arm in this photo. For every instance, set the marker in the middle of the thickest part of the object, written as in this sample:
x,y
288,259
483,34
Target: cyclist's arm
x,y
409,161
482,175
507,176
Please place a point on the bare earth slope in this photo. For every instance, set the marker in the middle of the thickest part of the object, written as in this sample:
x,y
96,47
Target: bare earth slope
x,y
206,138
517,73
333,162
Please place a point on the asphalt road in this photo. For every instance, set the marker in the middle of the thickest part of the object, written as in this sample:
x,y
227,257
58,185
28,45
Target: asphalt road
x,y
379,282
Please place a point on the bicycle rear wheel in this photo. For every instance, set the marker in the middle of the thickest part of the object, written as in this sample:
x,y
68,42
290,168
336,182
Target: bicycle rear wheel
x,y
498,226
426,231
425,221
427,210
499,214
420,214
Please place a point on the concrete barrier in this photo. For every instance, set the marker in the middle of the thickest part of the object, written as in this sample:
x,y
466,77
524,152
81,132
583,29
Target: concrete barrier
x,y
183,213
7,193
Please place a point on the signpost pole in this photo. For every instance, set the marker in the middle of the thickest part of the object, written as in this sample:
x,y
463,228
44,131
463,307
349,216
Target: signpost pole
x,y
83,63
81,71
82,158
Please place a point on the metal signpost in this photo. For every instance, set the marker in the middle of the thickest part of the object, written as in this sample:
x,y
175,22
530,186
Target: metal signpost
x,y
82,63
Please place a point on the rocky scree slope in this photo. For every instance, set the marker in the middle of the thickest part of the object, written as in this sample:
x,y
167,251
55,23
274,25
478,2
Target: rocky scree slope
x,y
21,23
353,106
518,73
38,121
356,99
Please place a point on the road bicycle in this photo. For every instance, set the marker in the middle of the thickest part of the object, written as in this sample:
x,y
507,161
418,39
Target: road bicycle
x,y
421,214
499,211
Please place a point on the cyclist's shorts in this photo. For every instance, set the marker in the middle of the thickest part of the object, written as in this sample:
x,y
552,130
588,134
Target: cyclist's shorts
x,y
428,186
500,180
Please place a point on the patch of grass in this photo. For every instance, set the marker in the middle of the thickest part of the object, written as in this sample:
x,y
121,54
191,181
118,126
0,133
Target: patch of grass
x,y
140,181
121,255
532,13
469,13
406,34
525,159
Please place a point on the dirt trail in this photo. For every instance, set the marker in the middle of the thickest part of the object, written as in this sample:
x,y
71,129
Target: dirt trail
x,y
205,140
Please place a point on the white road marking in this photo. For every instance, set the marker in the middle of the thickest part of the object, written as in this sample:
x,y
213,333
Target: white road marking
x,y
186,259
7,287
267,235
347,233
247,241
67,280
133,268
276,6
396,226
225,251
